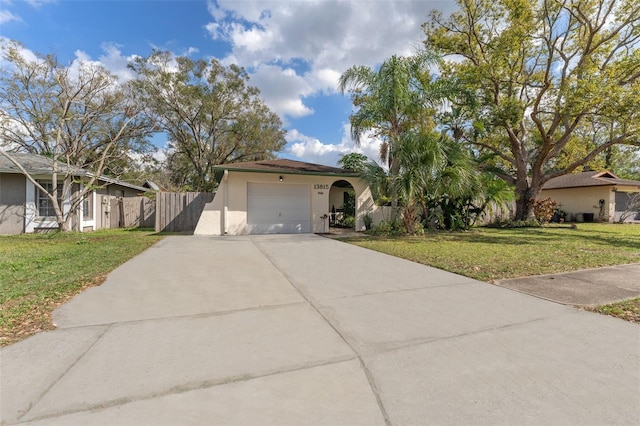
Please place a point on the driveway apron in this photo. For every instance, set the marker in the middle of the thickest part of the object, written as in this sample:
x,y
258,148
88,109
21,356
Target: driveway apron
x,y
299,329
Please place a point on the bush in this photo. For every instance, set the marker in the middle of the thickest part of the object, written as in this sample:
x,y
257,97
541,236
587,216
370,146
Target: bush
x,y
368,220
544,209
349,222
388,228
529,223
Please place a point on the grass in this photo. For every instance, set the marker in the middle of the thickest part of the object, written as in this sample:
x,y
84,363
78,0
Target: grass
x,y
39,272
628,310
491,254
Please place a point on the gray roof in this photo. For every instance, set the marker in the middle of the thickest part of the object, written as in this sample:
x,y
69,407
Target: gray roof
x,y
587,179
36,164
286,167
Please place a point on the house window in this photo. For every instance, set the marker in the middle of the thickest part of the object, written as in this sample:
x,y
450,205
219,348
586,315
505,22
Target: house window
x,y
43,202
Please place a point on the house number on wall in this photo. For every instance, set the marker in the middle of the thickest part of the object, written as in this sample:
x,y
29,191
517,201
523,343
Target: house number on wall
x,y
320,186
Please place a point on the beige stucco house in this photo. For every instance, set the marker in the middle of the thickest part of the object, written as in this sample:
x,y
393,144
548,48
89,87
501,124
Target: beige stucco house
x,y
23,209
601,194
281,196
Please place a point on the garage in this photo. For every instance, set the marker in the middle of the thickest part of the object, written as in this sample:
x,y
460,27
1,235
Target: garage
x,y
278,208
281,197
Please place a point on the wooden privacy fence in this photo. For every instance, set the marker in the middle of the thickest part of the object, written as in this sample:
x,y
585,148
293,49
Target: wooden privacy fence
x,y
180,211
132,212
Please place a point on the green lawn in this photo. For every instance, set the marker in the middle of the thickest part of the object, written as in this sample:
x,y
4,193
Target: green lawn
x,y
38,272
490,254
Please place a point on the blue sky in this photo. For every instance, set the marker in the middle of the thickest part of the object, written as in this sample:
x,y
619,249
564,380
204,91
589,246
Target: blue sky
x,y
293,50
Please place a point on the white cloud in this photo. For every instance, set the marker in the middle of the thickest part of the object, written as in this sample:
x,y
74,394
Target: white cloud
x,y
25,53
113,60
326,37
39,3
282,90
312,150
6,16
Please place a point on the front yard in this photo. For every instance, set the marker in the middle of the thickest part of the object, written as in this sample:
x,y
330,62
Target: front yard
x,y
40,272
491,254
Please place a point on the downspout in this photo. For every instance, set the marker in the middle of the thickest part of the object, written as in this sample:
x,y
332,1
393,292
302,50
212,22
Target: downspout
x,y
225,209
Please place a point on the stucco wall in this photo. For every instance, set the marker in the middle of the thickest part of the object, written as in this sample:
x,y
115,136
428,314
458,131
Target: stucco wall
x,y
12,202
336,197
584,200
232,194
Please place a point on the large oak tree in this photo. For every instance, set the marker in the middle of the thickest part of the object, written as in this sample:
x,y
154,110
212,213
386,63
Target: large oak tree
x,y
211,114
556,82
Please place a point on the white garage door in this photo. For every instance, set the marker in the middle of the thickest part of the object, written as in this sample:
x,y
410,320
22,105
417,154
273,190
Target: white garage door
x,y
278,208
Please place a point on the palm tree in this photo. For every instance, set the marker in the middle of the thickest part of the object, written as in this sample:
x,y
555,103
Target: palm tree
x,y
390,102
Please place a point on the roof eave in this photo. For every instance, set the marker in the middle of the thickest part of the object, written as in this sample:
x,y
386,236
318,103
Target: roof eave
x,y
286,172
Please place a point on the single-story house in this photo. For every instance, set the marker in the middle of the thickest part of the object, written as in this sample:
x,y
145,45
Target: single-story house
x,y
281,196
602,196
23,209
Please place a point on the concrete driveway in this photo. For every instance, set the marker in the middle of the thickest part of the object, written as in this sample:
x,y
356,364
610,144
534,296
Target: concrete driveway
x,y
307,330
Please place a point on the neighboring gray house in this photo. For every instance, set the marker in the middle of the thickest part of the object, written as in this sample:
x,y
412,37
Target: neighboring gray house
x,y
23,209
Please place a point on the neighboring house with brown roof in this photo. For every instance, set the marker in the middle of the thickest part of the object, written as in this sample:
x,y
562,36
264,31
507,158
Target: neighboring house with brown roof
x,y
281,196
601,194
24,209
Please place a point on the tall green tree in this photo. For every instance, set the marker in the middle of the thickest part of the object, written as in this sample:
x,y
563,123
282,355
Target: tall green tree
x,y
389,102
540,71
211,114
79,115
353,161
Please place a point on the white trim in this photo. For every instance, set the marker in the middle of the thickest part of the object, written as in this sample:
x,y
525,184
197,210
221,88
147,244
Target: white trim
x,y
32,220
225,195
90,222
29,207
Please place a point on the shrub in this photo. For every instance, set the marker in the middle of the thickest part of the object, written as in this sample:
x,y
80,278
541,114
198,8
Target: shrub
x,y
368,220
544,209
529,223
388,228
349,222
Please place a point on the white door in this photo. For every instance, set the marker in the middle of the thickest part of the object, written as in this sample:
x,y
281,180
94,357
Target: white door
x,y
278,208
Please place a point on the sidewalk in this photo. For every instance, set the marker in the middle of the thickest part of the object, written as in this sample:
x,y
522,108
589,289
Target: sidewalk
x,y
590,287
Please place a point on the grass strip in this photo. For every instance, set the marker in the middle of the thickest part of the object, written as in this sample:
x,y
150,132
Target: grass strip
x,y
39,272
491,254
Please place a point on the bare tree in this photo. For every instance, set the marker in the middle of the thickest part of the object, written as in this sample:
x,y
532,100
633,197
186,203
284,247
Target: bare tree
x,y
80,116
632,208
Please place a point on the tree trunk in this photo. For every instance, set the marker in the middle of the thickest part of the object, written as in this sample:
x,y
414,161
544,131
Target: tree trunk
x,y
64,226
394,172
526,193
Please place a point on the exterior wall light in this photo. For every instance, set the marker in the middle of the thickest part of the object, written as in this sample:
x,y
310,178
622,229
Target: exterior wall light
x,y
281,179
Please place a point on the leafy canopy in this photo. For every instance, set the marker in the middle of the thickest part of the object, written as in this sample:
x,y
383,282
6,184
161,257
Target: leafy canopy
x,y
210,113
544,73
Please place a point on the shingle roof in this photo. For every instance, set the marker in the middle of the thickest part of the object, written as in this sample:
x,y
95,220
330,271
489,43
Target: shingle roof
x,y
586,179
286,166
36,164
